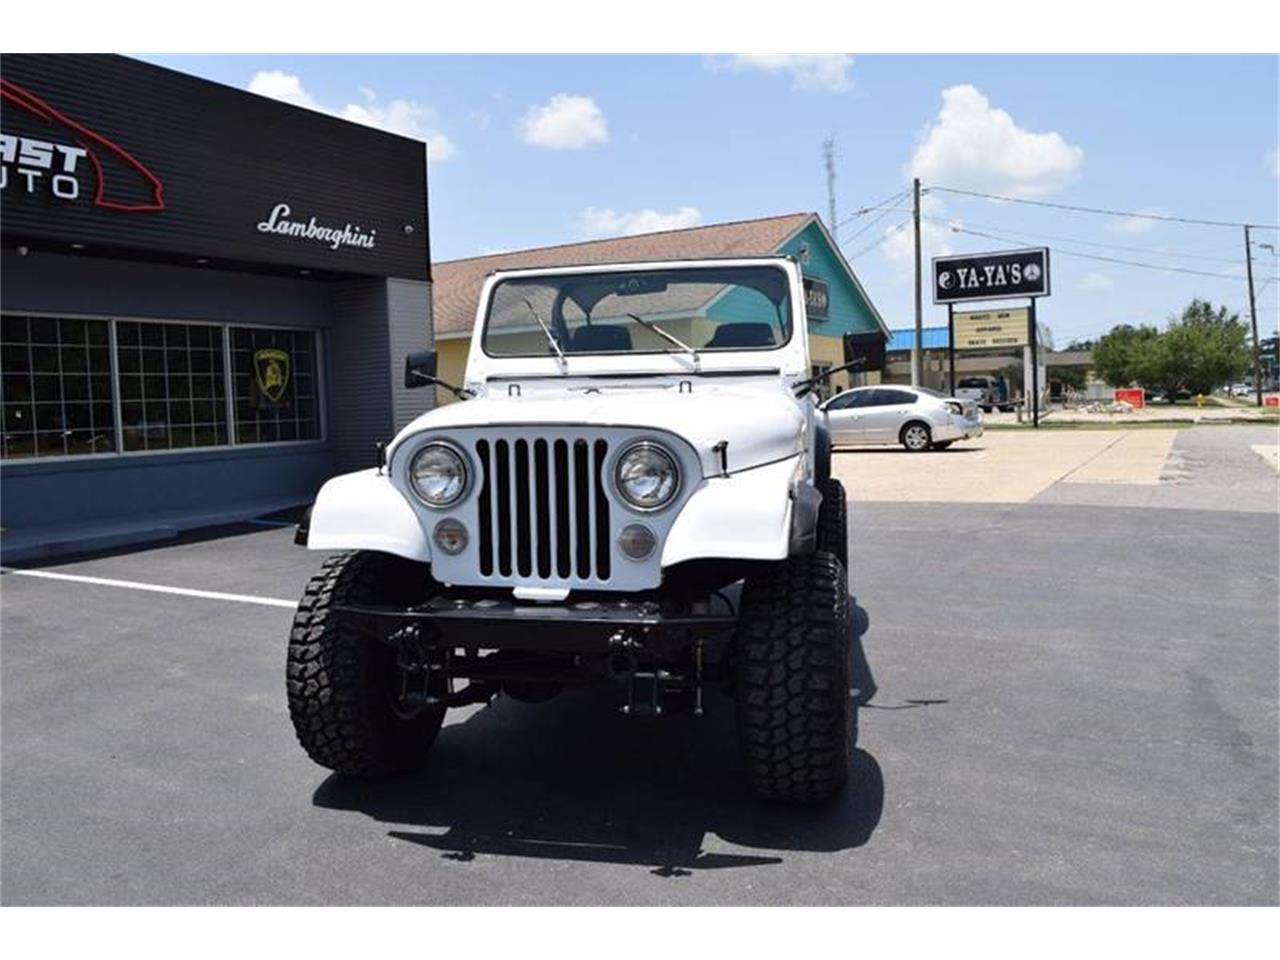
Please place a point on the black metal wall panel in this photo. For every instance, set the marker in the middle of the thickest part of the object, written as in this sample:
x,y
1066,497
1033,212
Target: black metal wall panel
x,y
125,157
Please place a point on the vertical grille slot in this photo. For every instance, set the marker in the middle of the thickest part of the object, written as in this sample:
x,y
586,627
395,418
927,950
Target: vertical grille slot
x,y
545,504
543,510
524,536
503,495
601,513
564,536
582,508
486,509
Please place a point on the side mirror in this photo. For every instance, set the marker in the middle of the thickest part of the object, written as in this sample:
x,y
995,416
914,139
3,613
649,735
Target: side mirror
x,y
869,347
419,369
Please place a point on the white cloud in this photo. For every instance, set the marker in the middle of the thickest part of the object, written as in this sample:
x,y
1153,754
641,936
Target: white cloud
x,y
935,238
1273,162
819,72
975,146
567,121
405,117
597,222
1095,283
1136,224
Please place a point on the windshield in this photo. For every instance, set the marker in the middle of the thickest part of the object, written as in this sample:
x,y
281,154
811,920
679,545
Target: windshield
x,y
689,311
972,382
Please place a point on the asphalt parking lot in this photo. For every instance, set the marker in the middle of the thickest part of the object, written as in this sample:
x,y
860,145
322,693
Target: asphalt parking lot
x,y
1065,698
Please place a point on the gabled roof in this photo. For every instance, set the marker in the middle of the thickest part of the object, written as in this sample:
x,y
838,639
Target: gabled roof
x,y
456,283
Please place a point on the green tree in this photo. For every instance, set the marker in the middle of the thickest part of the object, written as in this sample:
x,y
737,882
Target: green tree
x,y
1125,356
1203,349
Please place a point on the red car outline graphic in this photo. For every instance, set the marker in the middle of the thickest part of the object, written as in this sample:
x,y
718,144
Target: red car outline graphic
x,y
30,102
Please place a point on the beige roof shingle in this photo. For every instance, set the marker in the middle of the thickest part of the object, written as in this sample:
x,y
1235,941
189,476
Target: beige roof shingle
x,y
456,283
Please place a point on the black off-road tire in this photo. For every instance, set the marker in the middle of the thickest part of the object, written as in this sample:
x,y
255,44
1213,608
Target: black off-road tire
x,y
833,523
341,676
792,680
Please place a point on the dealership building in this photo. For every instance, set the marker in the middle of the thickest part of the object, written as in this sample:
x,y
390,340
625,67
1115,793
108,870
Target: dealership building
x,y
206,298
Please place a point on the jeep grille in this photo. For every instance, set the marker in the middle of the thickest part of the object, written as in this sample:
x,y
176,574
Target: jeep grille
x,y
543,511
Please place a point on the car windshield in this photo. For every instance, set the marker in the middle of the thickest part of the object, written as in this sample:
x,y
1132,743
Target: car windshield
x,y
689,311
972,382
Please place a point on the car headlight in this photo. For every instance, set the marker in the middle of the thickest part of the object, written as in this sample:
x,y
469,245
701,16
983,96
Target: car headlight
x,y
438,475
647,476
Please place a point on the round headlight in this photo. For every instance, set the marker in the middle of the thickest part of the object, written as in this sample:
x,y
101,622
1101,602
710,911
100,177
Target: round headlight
x,y
647,477
438,475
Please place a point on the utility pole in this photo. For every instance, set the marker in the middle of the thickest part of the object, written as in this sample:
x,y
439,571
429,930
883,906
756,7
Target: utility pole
x,y
829,158
1253,317
917,346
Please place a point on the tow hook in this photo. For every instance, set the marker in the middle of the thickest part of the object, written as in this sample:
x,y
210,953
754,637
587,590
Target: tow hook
x,y
414,665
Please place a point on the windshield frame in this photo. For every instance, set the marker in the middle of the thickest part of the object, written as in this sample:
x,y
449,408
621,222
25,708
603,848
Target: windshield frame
x,y
550,276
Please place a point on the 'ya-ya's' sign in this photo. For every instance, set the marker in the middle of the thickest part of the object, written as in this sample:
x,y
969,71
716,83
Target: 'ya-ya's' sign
x,y
991,276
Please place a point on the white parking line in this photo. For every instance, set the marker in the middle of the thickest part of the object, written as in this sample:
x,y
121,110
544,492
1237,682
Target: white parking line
x,y
152,587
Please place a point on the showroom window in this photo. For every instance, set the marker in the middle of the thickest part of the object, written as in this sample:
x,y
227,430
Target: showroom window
x,y
55,387
173,386
274,383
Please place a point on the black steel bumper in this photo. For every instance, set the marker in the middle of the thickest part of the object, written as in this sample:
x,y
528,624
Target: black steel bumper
x,y
587,626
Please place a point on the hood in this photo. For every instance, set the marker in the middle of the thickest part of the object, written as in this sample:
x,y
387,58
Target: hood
x,y
760,422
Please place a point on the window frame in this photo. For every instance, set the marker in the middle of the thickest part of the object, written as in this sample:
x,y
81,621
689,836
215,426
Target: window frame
x,y
232,444
854,394
908,396
792,326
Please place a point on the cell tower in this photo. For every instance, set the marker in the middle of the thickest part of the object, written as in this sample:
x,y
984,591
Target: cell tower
x,y
829,159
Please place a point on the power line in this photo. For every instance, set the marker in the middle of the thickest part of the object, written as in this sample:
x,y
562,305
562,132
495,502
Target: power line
x,y
1128,214
1094,256
892,198
874,220
887,234
1094,243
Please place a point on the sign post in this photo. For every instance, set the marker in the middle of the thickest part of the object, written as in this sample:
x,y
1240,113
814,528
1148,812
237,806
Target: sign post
x,y
1001,275
951,345
1035,365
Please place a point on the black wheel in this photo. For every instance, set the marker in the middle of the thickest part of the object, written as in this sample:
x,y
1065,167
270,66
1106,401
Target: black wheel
x,y
343,679
916,437
833,529
942,444
792,679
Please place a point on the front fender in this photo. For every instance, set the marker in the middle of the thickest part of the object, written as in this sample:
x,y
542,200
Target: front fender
x,y
363,511
744,516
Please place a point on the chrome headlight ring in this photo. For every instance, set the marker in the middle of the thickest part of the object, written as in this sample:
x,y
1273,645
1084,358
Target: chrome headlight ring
x,y
439,474
646,476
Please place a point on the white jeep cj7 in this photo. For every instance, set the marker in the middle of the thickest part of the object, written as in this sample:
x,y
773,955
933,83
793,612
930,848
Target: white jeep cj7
x,y
636,438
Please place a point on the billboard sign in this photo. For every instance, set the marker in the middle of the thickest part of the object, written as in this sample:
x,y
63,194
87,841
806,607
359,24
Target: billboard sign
x,y
991,276
990,329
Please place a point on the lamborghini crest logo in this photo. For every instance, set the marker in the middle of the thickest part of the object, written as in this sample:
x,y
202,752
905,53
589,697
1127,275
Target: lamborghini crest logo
x,y
271,367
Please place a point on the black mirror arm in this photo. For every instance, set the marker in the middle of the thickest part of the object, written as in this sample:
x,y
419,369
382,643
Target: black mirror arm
x,y
462,393
803,387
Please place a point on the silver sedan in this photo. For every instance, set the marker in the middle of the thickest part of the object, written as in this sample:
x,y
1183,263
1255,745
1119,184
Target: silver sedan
x,y
918,418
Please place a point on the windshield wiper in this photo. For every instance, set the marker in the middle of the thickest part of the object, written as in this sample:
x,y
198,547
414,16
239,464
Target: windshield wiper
x,y
555,344
650,325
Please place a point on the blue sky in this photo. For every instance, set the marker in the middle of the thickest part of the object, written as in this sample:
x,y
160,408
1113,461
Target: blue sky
x,y
532,150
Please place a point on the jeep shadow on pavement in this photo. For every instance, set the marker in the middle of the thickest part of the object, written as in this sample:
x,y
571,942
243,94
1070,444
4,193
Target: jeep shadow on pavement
x,y
636,439
575,781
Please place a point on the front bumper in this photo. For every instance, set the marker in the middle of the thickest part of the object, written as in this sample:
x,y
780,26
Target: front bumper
x,y
585,626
